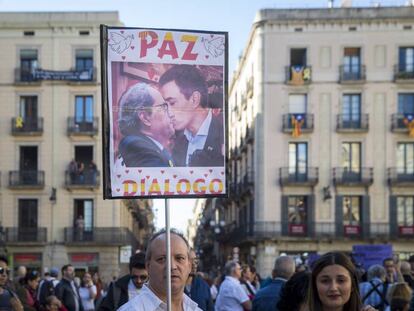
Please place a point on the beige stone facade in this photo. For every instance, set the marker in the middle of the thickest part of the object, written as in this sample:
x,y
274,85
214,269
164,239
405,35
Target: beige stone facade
x,y
321,107
51,113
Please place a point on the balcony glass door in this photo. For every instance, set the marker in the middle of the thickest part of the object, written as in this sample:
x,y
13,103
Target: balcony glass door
x,y
352,63
84,60
83,219
351,206
28,112
351,111
351,161
405,215
405,161
406,59
28,165
28,63
27,220
297,215
84,113
298,161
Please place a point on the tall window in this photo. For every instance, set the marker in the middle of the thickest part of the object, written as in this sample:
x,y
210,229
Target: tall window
x,y
351,157
83,109
406,103
28,111
405,158
352,63
84,208
298,159
351,206
406,59
28,62
28,165
298,57
405,211
297,214
84,60
351,110
27,220
297,103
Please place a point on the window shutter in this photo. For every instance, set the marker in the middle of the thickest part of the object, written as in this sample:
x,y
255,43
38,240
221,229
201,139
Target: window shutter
x,y
339,215
311,215
285,215
393,216
365,217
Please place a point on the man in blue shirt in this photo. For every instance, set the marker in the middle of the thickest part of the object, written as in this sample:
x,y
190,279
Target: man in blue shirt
x,y
267,298
374,292
196,288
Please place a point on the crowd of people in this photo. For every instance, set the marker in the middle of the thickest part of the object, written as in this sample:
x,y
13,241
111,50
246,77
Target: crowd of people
x,y
332,282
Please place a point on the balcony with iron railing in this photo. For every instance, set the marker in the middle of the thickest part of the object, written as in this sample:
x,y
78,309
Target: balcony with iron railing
x,y
291,176
346,123
352,74
27,126
25,236
36,75
401,123
403,75
25,76
26,179
89,179
298,75
363,176
315,230
101,235
400,176
303,121
84,127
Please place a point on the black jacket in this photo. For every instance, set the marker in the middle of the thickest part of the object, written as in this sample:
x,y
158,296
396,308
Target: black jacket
x,y
118,290
210,155
141,151
64,292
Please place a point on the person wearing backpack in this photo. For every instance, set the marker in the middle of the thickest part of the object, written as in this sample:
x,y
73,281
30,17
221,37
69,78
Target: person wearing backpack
x,y
126,287
47,286
374,292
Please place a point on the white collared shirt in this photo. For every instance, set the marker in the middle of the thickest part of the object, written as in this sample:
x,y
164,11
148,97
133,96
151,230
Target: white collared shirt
x,y
133,291
231,295
197,141
148,301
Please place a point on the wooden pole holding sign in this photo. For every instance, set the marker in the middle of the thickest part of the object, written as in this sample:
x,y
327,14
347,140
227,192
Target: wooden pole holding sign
x,y
168,252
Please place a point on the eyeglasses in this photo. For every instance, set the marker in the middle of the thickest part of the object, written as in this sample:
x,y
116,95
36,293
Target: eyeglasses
x,y
142,278
4,271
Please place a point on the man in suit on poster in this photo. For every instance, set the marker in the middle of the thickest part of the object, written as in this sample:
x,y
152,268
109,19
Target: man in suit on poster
x,y
147,128
199,132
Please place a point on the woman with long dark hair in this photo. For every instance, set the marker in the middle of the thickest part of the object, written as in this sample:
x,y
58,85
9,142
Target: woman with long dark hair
x,y
334,285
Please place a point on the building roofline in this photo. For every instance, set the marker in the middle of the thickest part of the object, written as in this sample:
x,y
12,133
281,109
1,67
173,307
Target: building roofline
x,y
328,14
321,14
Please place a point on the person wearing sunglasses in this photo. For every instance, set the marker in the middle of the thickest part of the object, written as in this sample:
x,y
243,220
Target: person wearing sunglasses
x,y
8,299
146,124
127,287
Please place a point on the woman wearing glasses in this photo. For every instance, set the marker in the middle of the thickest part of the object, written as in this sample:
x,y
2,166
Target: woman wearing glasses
x,y
87,292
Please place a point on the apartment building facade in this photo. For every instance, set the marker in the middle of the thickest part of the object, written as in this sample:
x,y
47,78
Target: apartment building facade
x,y
52,210
322,136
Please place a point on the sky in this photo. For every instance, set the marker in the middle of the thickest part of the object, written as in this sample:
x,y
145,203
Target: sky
x,y
234,16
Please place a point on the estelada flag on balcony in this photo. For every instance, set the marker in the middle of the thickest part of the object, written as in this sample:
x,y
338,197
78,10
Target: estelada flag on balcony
x,y
297,122
409,123
164,95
